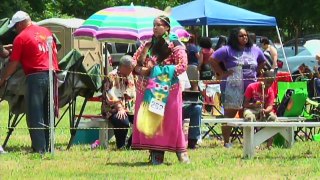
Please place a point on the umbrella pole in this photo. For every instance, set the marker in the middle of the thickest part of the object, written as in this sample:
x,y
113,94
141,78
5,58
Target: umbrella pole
x,y
105,59
105,73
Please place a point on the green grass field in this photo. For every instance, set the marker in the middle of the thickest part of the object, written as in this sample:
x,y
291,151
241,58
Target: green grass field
x,y
210,161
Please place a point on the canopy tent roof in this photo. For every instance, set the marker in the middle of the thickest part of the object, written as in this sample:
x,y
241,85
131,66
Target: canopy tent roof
x,y
69,23
211,12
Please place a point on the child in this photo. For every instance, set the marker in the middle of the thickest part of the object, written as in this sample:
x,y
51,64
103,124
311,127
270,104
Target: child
x,y
259,99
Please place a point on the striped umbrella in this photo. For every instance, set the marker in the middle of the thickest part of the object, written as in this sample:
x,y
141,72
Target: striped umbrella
x,y
125,24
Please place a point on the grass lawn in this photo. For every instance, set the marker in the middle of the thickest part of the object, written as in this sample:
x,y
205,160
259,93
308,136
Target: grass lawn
x,y
209,161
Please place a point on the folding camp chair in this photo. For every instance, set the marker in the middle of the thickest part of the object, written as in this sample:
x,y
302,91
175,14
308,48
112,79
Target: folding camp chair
x,y
299,105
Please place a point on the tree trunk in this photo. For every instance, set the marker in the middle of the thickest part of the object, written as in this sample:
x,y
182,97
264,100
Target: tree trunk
x,y
296,29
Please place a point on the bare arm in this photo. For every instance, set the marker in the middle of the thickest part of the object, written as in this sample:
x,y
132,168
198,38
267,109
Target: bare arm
x,y
4,53
217,68
200,59
140,70
139,59
198,56
274,56
268,109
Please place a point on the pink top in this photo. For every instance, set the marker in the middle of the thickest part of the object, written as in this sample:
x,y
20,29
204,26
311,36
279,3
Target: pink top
x,y
178,57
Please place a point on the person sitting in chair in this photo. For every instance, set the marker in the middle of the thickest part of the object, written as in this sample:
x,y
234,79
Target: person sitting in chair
x,y
118,105
316,76
259,99
191,109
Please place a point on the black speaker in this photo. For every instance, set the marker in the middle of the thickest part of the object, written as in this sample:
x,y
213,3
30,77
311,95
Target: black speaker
x,y
191,97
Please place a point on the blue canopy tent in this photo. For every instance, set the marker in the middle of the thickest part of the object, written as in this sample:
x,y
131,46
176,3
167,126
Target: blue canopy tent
x,y
211,12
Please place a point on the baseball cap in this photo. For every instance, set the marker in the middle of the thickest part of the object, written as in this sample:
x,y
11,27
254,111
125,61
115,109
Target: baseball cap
x,y
18,17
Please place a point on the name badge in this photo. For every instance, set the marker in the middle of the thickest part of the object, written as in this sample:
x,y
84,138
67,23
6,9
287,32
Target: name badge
x,y
157,107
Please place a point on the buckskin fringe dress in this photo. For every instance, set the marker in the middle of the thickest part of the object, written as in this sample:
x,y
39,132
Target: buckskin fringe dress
x,y
152,131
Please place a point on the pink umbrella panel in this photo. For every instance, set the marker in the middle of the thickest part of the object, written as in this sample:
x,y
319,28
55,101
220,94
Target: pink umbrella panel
x,y
124,24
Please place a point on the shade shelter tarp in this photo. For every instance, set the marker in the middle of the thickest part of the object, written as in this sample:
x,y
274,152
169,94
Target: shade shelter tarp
x,y
211,12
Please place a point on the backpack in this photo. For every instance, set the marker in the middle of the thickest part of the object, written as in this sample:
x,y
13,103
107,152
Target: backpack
x,y
284,102
292,103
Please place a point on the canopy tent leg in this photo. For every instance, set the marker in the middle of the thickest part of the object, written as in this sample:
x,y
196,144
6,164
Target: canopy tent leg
x,y
205,29
12,125
284,54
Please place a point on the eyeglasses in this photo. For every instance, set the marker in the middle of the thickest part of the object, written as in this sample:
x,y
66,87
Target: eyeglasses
x,y
242,35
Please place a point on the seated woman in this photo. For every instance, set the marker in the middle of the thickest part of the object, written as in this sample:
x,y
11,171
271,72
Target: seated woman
x,y
118,106
317,77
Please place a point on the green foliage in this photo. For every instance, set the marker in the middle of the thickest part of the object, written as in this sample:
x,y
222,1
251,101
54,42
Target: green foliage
x,y
38,9
295,18
9,7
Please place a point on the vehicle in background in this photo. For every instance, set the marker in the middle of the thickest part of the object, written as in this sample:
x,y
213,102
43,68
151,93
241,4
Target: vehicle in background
x,y
117,50
289,46
304,57
214,41
258,39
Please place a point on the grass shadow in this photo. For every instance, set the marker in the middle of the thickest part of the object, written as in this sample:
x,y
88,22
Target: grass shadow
x,y
18,148
130,164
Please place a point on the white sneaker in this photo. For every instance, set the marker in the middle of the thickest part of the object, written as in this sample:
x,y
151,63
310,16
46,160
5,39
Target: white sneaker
x,y
2,151
228,145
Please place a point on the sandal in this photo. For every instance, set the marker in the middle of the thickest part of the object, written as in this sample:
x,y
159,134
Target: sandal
x,y
157,157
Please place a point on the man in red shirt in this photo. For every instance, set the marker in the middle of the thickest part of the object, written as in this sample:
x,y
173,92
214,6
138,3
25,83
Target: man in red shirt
x,y
30,49
258,102
259,99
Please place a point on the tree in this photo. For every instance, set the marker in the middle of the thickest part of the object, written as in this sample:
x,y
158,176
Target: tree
x,y
38,10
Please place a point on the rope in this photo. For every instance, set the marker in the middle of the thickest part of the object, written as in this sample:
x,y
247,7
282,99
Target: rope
x,y
89,128
208,81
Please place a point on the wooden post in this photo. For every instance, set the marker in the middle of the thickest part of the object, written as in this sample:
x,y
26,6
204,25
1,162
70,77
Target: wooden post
x,y
248,142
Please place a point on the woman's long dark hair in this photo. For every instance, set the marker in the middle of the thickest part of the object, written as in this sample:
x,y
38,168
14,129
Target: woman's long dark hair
x,y
221,42
159,46
233,41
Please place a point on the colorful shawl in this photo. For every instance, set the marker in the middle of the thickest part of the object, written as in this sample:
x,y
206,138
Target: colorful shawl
x,y
158,88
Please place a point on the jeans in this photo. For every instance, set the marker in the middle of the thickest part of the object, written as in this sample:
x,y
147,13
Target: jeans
x,y
193,111
37,110
121,134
